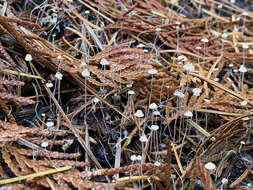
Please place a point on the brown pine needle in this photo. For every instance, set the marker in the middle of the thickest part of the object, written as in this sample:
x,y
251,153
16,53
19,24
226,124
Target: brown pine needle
x,y
239,179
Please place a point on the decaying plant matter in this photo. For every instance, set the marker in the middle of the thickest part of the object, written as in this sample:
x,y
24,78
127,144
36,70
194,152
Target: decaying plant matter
x,y
133,94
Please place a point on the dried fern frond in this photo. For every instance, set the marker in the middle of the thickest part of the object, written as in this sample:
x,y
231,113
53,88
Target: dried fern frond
x,y
7,97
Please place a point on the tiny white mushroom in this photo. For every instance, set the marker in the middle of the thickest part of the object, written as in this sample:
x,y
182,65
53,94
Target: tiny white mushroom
x,y
139,157
49,84
139,114
178,94
152,71
153,106
245,45
245,13
131,92
210,166
83,63
85,73
58,75
156,113
49,124
242,143
182,58
44,144
87,12
68,142
196,91
216,79
145,50
245,118
59,57
224,35
158,29
189,67
133,157
243,69
104,62
244,103
231,65
28,57
173,176
188,114
224,181
154,127
215,33
143,138
206,100
204,40
129,85
96,100
140,46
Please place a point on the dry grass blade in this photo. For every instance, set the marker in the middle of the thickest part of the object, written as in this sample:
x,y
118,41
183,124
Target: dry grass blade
x,y
22,74
30,176
178,159
200,129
